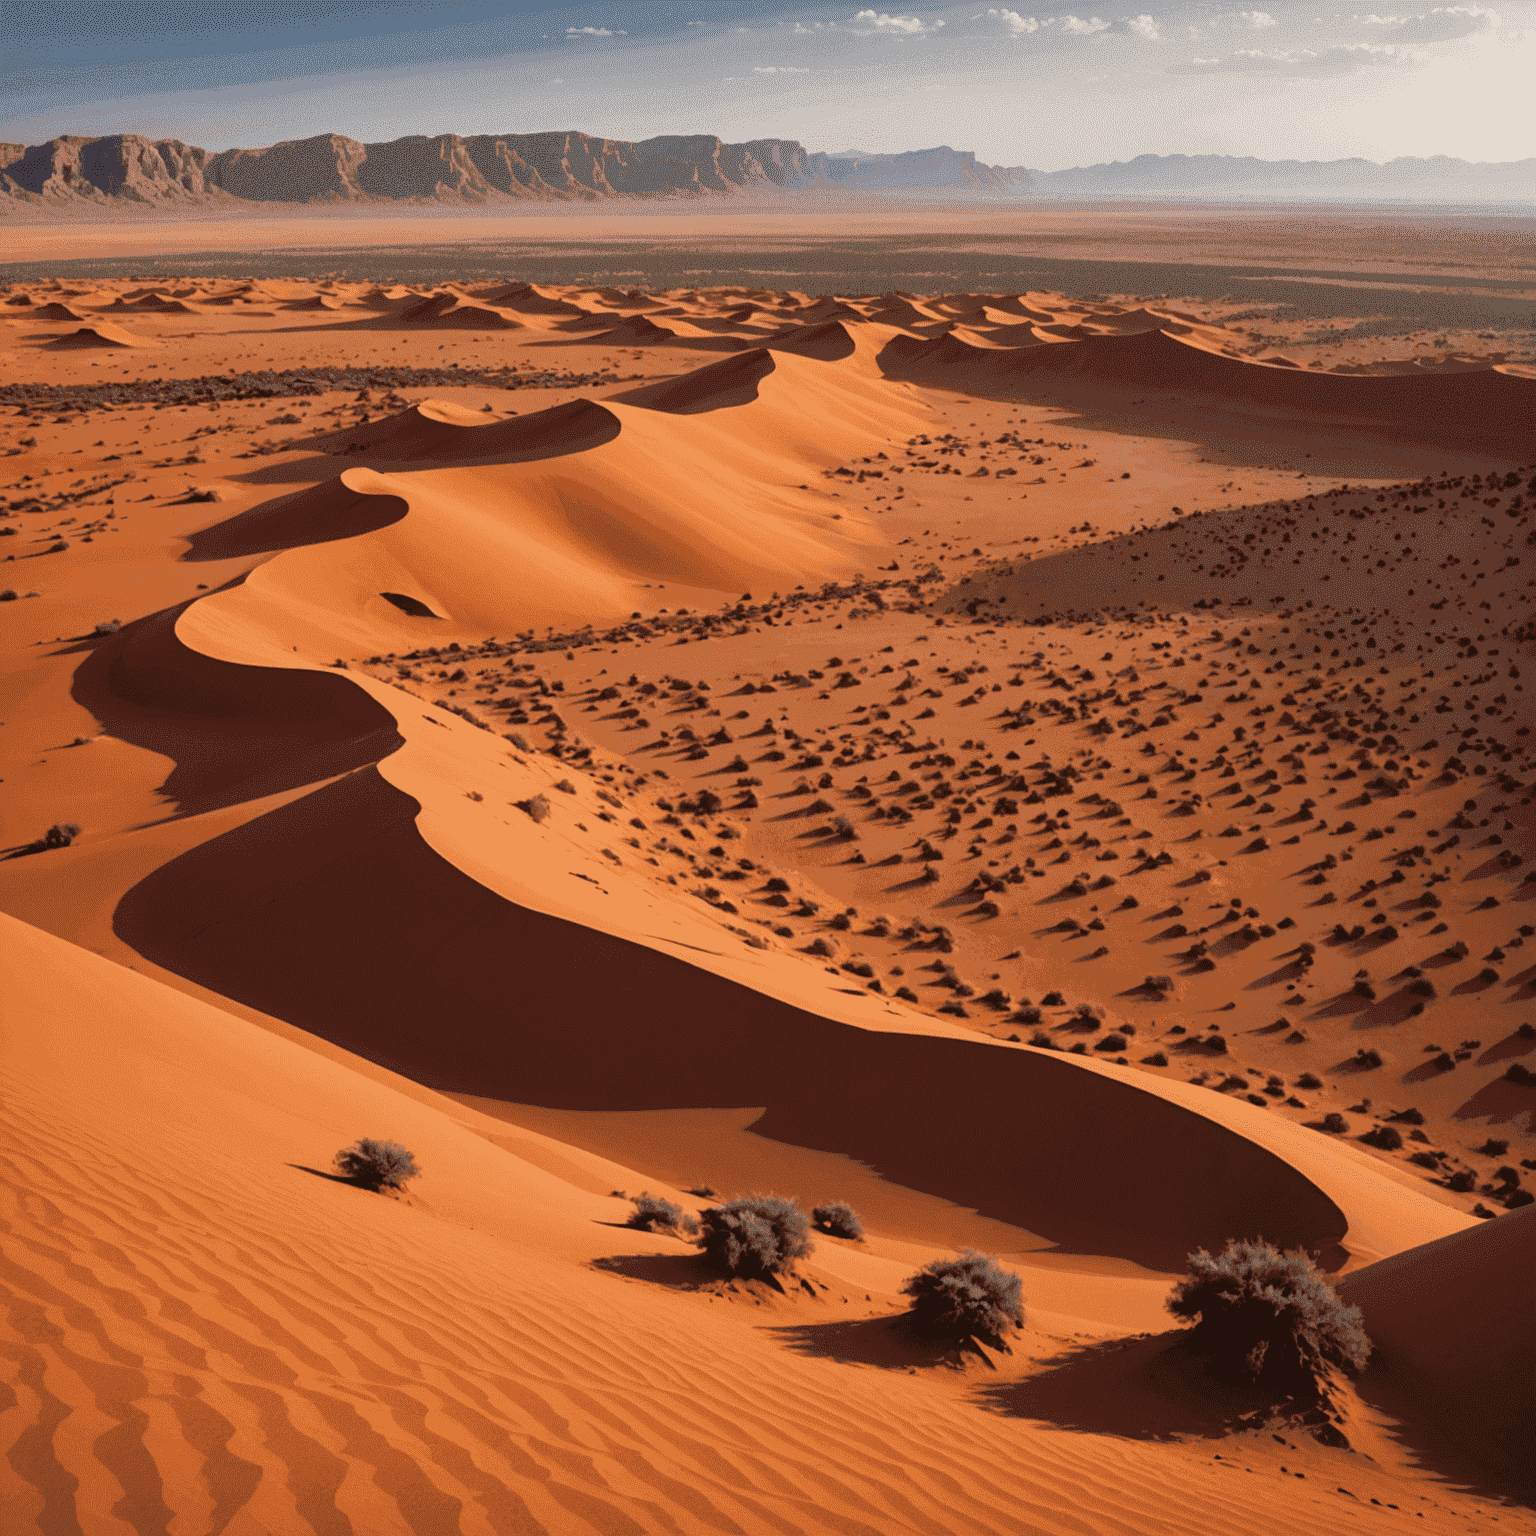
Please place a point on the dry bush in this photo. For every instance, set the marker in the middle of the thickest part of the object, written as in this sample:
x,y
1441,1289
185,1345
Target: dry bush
x,y
971,1295
1268,1317
652,1213
838,1219
377,1164
755,1237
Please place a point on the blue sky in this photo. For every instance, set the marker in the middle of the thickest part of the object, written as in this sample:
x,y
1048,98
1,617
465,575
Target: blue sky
x,y
1020,87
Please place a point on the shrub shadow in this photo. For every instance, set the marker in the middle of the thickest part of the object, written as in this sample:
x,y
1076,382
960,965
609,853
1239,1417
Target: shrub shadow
x,y
676,1271
1145,1388
890,1343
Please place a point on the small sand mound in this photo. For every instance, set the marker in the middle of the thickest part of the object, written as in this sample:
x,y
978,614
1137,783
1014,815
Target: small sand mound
x,y
526,299
635,331
448,311
55,311
153,304
102,334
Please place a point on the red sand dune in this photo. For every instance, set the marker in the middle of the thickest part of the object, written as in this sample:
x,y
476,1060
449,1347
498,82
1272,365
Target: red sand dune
x,y
1486,406
102,334
1455,1350
436,429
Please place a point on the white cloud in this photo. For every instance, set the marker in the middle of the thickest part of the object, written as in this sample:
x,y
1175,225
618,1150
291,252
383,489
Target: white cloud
x,y
1258,20
557,82
778,69
593,32
1076,26
899,26
1444,24
1143,26
1019,26
1300,62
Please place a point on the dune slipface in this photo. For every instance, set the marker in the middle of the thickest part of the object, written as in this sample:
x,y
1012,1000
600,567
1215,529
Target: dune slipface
x,y
1455,1347
1033,769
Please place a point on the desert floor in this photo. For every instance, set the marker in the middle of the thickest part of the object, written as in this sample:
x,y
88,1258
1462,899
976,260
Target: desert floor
x,y
1046,761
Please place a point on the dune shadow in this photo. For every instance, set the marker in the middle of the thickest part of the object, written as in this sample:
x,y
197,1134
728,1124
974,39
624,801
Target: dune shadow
x,y
890,1343
319,913
320,515
234,733
1500,1102
1513,1044
1145,1388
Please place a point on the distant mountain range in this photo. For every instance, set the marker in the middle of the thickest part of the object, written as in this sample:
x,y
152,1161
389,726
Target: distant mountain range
x,y
1439,178
127,170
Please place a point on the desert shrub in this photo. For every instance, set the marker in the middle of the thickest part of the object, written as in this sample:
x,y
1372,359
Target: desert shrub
x,y
756,1236
1335,1122
971,1294
1110,1043
651,1213
1268,1316
1309,1080
377,1164
1385,1137
838,1219
537,806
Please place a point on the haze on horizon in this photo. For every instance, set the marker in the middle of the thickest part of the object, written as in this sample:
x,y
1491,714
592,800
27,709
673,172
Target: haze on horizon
x,y
1018,87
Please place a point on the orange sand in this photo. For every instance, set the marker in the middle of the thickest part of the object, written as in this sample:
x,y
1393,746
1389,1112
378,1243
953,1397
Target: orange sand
x,y
879,669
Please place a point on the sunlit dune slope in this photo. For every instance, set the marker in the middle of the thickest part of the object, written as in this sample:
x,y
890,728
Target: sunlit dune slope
x,y
551,518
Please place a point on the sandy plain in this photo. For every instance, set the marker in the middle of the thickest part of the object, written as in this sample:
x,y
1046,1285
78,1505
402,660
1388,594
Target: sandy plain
x,y
1014,760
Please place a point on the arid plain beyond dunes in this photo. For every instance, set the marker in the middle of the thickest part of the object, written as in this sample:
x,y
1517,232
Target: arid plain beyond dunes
x,y
1049,767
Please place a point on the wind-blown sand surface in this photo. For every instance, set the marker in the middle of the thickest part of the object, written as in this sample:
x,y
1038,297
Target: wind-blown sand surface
x,y
1013,762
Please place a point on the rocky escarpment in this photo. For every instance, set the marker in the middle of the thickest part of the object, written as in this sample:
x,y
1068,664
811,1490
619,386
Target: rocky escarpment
x,y
126,168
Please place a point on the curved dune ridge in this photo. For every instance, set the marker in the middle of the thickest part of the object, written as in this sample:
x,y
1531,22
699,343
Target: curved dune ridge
x,y
438,429
1455,1342
1489,404
418,556
551,517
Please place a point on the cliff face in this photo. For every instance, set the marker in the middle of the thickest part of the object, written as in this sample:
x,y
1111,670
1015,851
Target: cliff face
x,y
124,167
445,168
